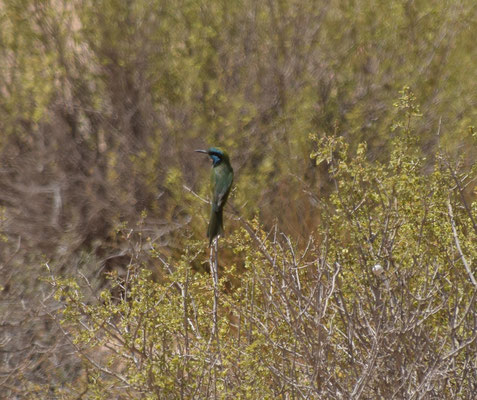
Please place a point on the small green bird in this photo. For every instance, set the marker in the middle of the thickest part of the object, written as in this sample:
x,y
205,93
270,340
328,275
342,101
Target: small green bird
x,y
221,179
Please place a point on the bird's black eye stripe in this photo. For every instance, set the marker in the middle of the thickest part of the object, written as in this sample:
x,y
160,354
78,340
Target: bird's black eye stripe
x,y
216,153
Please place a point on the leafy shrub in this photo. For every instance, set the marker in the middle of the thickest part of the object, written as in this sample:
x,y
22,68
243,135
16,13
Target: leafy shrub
x,y
380,303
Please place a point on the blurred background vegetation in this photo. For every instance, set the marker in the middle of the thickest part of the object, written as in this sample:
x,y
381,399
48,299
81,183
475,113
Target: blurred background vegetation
x,y
103,102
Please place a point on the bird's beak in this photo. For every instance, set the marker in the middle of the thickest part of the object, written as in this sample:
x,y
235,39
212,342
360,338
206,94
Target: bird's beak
x,y
201,151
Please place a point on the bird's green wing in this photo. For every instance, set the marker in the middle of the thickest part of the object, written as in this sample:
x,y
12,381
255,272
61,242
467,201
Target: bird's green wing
x,y
223,179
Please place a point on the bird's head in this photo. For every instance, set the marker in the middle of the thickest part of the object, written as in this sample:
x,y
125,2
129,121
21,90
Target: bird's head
x,y
217,155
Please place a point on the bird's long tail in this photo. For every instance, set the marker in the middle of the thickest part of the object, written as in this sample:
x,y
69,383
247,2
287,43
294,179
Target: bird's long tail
x,y
216,225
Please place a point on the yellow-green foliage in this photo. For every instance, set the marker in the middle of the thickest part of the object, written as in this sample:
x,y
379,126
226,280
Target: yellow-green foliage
x,y
101,106
314,321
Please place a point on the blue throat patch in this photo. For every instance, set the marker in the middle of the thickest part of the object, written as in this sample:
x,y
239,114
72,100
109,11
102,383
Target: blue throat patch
x,y
215,159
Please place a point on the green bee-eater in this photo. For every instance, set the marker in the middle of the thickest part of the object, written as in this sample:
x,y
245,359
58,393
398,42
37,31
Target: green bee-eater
x,y
221,179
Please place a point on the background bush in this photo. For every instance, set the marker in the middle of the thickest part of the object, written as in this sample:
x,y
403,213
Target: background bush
x,y
102,104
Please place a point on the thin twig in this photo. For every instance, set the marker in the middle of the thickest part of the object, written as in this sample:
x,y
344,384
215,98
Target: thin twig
x,y
461,193
457,244
213,261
